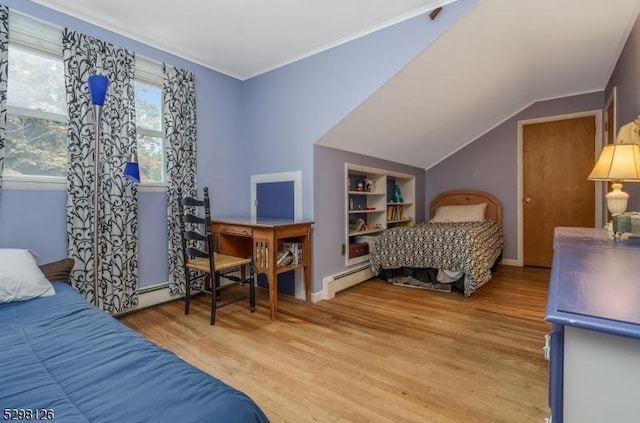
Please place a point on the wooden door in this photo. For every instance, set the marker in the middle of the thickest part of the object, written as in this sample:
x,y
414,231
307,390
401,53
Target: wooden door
x,y
557,158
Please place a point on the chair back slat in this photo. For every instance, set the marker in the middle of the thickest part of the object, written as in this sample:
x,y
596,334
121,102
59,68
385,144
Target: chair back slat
x,y
194,236
196,252
194,219
195,229
192,202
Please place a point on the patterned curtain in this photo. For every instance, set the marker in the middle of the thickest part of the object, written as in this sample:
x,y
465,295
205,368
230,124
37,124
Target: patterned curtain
x,y
179,111
118,205
4,64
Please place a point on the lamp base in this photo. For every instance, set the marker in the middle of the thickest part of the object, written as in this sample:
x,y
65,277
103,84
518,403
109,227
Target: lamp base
x,y
617,199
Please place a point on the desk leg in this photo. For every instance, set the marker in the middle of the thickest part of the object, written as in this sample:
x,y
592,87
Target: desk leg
x,y
265,259
273,293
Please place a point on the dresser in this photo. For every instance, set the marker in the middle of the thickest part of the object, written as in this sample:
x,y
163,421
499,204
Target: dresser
x,y
593,308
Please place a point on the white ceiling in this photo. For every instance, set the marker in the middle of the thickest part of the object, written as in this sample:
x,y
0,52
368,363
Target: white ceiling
x,y
243,38
498,59
501,57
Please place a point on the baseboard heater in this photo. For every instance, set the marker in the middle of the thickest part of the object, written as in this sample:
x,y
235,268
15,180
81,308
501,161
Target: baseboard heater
x,y
347,279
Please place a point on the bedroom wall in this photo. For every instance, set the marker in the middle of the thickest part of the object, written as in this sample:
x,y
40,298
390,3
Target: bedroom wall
x,y
626,77
294,106
490,162
269,124
37,219
330,207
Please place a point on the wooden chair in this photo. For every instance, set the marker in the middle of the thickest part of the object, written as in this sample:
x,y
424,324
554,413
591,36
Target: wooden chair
x,y
199,255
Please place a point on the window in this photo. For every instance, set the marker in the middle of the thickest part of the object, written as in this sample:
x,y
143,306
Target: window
x,y
37,116
36,143
150,134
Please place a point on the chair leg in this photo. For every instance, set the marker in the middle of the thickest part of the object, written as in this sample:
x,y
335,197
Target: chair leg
x,y
252,289
187,297
215,296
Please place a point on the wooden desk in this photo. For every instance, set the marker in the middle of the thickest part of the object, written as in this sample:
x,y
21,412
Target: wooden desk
x,y
262,239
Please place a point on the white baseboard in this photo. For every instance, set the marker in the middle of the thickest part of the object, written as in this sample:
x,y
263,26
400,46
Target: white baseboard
x,y
510,262
152,297
338,282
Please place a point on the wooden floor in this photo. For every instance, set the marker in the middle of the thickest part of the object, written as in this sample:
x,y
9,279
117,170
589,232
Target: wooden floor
x,y
377,352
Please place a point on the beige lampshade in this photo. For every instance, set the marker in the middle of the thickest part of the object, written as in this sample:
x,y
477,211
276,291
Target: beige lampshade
x,y
617,162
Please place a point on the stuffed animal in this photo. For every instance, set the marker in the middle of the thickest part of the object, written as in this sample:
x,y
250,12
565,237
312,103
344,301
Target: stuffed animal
x,y
358,225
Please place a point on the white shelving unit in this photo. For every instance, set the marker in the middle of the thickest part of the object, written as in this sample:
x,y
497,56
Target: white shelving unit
x,y
369,199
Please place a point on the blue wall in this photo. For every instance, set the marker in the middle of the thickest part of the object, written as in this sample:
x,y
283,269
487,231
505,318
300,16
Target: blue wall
x,y
287,110
37,219
267,124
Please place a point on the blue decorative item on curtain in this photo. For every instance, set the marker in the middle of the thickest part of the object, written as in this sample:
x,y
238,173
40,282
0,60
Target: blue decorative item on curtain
x,y
131,169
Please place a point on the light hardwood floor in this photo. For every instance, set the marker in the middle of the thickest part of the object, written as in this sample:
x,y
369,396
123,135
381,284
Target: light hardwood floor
x,y
375,353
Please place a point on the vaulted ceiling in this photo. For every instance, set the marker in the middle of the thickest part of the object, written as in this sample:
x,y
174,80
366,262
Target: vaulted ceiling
x,y
498,59
243,38
501,57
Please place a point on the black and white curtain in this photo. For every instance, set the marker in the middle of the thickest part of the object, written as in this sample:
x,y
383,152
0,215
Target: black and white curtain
x,y
179,111
117,273
4,65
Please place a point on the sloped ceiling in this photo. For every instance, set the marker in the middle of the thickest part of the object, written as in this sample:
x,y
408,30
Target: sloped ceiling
x,y
498,59
243,38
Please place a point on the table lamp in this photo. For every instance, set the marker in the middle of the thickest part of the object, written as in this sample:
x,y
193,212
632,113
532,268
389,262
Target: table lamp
x,y
617,163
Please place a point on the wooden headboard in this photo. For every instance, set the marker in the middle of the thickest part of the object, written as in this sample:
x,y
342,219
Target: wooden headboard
x,y
468,197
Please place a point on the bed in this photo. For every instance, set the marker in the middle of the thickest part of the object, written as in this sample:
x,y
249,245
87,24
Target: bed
x,y
64,360
452,250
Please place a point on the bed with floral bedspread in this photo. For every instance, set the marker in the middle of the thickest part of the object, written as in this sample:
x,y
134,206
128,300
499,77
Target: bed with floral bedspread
x,y
470,247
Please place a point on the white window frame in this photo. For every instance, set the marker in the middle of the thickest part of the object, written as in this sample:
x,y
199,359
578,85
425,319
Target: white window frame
x,y
150,72
39,36
36,36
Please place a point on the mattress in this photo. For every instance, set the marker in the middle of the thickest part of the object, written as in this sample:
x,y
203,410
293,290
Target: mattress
x,y
469,247
61,357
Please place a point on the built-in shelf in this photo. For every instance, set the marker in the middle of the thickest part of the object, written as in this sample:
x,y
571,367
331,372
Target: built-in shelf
x,y
366,211
377,192
372,231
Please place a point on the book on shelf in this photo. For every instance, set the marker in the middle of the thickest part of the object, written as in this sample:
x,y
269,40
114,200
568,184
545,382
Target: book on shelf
x,y
295,248
284,258
395,212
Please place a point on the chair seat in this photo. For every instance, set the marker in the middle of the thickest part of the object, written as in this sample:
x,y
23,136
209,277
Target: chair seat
x,y
222,262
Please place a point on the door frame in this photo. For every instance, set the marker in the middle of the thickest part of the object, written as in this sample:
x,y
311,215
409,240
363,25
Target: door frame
x,y
611,102
295,177
598,140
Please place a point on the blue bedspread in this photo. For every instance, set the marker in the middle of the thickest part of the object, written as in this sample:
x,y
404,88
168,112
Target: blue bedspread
x,y
60,353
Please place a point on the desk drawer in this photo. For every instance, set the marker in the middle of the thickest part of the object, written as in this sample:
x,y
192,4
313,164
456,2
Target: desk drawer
x,y
236,230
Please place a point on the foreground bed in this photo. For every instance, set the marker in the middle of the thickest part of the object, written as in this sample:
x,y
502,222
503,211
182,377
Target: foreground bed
x,y
448,249
63,358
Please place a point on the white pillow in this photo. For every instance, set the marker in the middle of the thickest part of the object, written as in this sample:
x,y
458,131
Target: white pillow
x,y
20,277
467,213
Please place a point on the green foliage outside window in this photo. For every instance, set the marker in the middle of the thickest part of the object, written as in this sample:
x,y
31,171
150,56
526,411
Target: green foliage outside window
x,y
36,143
